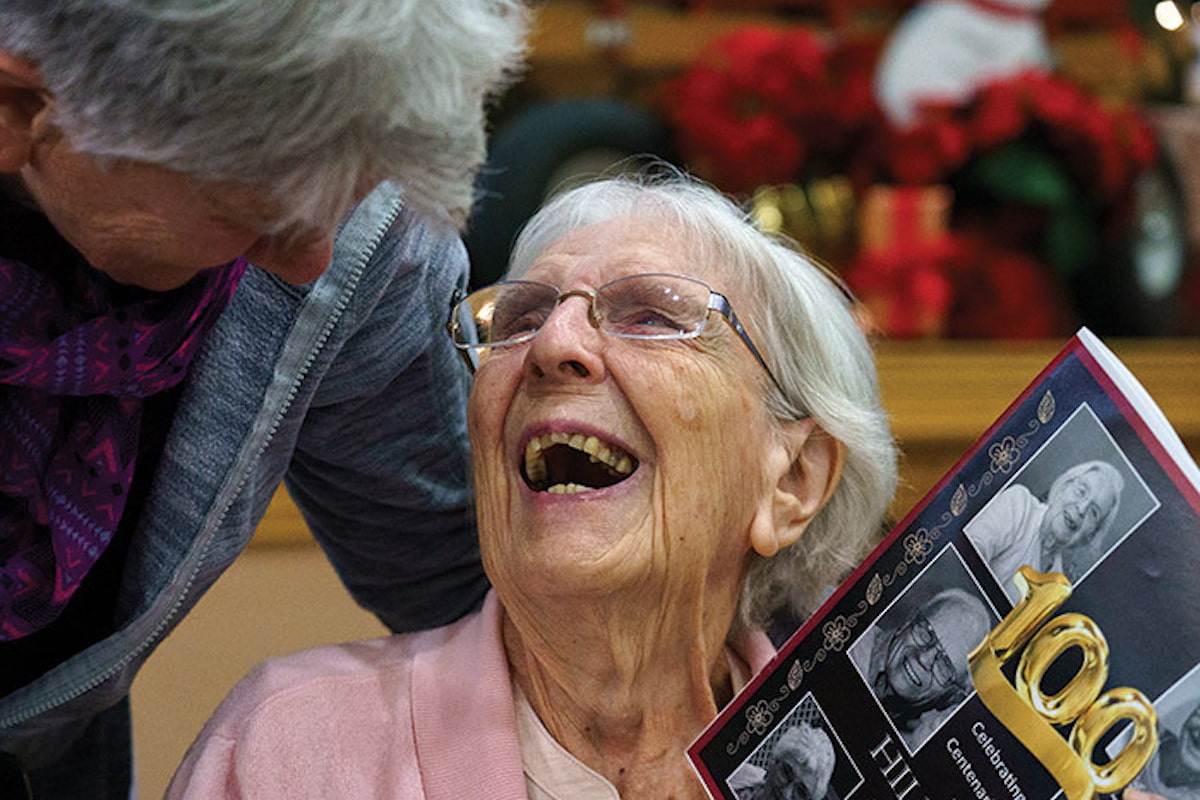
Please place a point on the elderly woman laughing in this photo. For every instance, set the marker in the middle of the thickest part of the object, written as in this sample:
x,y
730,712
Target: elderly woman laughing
x,y
656,476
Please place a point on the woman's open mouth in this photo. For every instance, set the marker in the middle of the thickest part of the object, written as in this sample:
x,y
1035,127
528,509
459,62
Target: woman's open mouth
x,y
567,463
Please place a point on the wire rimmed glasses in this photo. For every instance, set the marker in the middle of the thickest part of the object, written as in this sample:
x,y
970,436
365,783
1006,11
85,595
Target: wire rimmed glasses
x,y
943,670
645,306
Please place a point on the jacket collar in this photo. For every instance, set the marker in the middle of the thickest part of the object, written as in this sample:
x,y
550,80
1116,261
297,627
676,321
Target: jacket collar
x,y
466,729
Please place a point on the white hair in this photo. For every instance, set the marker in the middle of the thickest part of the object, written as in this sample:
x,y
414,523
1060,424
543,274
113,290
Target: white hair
x,y
1113,485
319,100
804,324
809,746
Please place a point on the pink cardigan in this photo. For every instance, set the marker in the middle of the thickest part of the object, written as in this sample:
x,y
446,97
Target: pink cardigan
x,y
424,715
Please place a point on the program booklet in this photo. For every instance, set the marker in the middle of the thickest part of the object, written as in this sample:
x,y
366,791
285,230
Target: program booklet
x,y
1031,629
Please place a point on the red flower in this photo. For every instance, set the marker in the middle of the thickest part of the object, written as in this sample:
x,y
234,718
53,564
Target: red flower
x,y
745,153
1058,103
927,153
1000,114
801,56
727,111
1005,295
760,104
905,293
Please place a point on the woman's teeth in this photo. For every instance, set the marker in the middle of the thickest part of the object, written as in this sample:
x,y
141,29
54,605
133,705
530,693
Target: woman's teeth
x,y
614,464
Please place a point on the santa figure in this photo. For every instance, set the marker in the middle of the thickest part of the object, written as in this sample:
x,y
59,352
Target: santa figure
x,y
944,49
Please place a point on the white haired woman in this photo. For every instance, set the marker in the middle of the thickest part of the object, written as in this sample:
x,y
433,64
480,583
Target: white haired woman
x,y
656,476
227,240
1062,533
802,762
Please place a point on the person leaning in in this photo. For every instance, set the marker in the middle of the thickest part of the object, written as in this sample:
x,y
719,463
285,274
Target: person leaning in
x,y
228,234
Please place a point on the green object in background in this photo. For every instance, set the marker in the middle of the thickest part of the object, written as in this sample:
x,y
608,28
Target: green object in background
x,y
1022,172
1071,241
1028,174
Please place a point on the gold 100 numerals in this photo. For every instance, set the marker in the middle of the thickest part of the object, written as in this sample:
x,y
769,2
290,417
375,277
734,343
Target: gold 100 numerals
x,y
1031,715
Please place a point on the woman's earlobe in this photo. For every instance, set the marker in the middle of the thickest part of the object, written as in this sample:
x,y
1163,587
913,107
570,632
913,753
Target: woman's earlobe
x,y
764,537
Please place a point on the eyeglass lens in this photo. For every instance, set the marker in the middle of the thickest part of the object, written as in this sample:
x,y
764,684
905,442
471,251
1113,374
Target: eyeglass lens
x,y
645,306
943,668
640,306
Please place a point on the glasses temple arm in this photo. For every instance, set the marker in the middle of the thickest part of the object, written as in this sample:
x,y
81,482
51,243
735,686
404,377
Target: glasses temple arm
x,y
719,303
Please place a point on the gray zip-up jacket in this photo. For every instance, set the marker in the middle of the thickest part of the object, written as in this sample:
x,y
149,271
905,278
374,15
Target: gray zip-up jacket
x,y
350,387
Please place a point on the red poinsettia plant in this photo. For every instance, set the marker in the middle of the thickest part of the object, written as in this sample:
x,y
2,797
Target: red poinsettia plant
x,y
1103,148
764,106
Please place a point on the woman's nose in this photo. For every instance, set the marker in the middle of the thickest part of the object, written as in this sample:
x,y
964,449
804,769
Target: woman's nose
x,y
568,345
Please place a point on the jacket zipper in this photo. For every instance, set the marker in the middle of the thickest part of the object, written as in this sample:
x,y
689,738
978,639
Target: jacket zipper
x,y
150,639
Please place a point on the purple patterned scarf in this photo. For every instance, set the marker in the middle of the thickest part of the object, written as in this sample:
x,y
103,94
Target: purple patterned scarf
x,y
75,367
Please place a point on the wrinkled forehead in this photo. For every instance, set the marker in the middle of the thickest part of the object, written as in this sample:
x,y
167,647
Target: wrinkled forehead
x,y
958,627
1095,481
1094,484
604,251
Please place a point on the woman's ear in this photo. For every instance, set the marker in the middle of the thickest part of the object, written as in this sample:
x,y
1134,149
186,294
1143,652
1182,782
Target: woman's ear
x,y
22,98
807,463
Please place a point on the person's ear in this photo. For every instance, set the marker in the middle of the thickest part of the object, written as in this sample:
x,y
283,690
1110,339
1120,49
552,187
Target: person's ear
x,y
22,98
806,464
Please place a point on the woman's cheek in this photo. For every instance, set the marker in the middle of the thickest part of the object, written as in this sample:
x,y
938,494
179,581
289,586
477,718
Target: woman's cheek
x,y
699,416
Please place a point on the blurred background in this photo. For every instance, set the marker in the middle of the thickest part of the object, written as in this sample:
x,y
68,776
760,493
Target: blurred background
x,y
986,175
974,168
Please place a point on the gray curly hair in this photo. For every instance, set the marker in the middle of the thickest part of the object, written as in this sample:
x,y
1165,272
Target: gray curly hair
x,y
319,100
804,324
808,747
